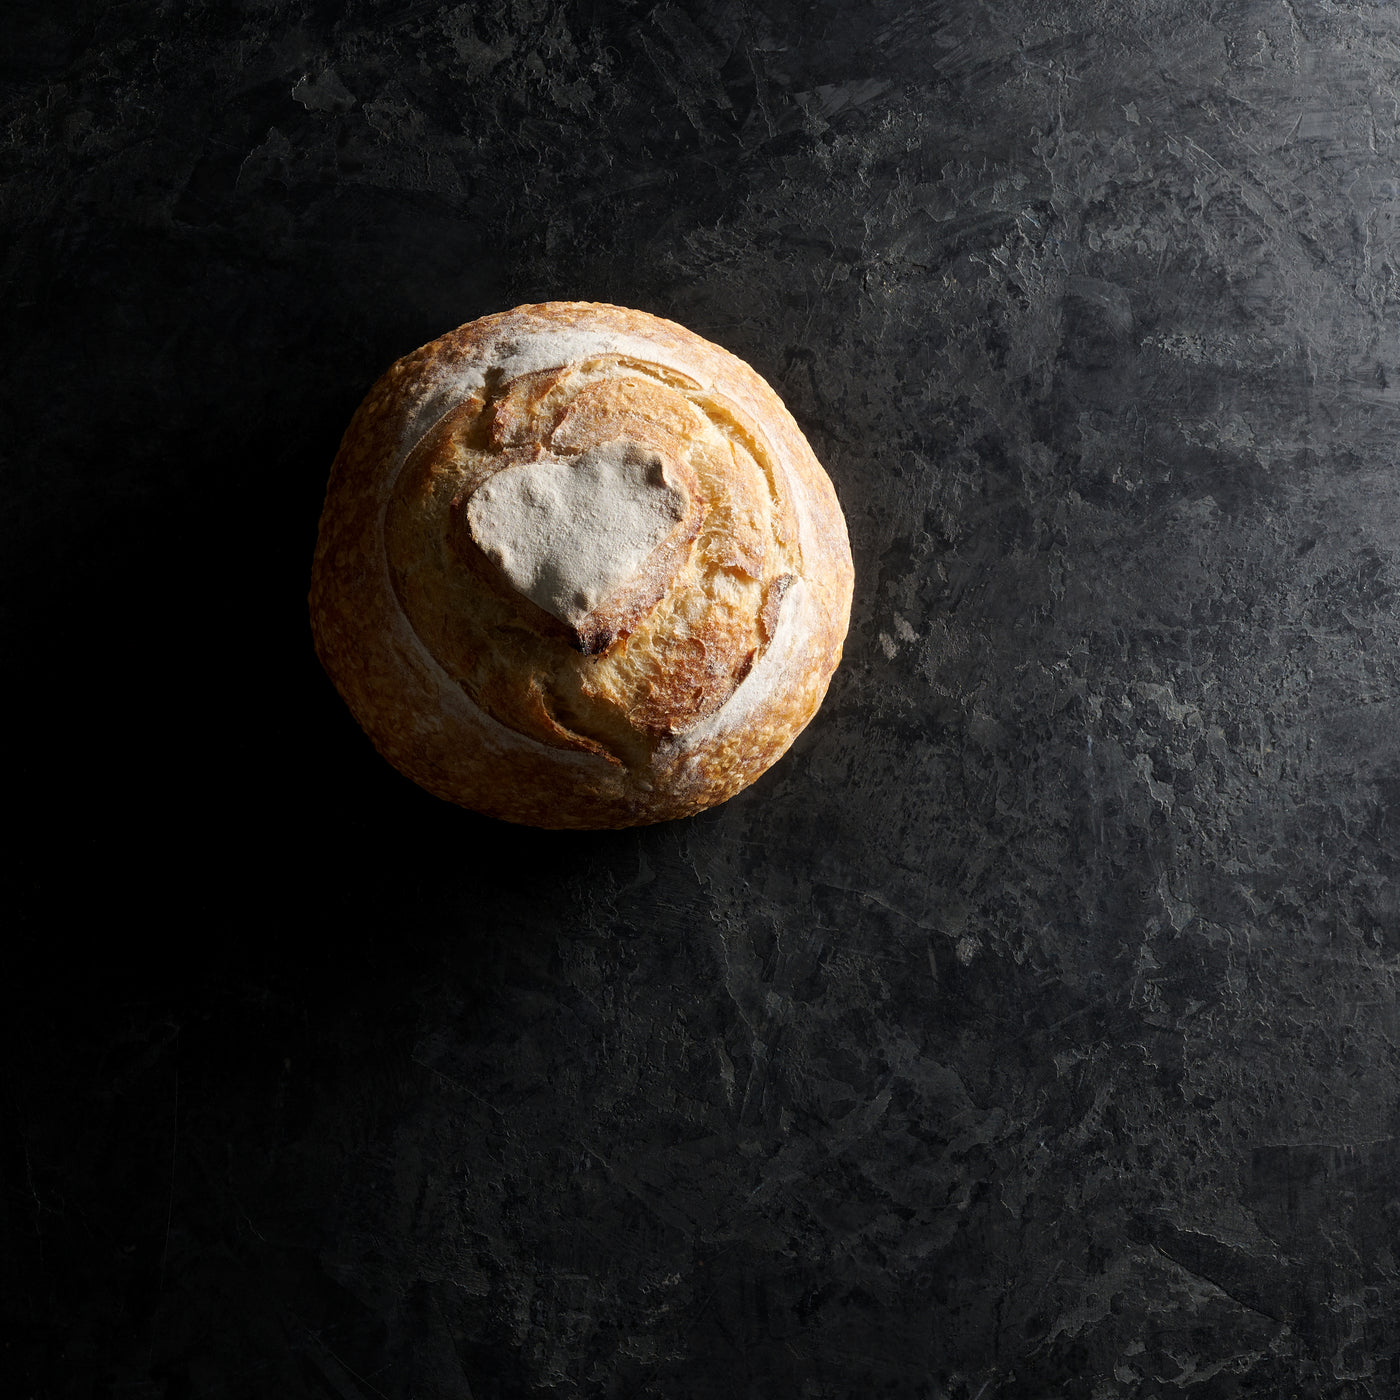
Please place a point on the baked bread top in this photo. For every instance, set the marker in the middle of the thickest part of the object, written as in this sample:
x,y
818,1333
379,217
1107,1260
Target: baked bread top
x,y
578,567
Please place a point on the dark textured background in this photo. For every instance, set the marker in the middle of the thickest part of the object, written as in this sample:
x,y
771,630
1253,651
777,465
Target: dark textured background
x,y
1031,1030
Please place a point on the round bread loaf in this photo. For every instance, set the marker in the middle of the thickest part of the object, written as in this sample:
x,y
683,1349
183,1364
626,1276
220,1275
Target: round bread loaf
x,y
578,567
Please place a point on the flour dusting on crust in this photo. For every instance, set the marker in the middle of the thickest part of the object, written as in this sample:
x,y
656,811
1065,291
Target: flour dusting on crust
x,y
568,532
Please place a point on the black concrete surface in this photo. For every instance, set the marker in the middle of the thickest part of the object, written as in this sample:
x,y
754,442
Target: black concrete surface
x,y
1031,1030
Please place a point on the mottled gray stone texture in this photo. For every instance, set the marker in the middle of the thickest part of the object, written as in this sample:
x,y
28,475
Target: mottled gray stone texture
x,y
1031,1030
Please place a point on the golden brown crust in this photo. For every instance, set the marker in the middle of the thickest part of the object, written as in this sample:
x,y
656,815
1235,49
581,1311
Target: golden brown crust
x,y
680,689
